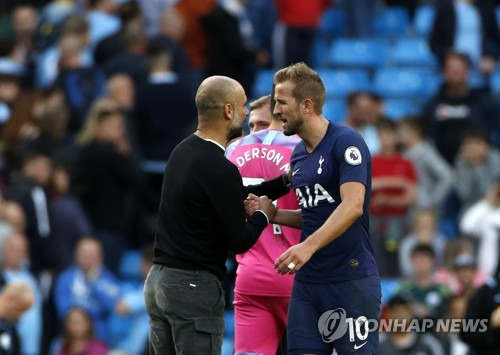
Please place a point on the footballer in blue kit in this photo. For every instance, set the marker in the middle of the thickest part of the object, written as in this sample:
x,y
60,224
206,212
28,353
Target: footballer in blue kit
x,y
336,292
342,274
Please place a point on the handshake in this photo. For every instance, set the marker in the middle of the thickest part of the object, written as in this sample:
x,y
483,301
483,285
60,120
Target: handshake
x,y
262,203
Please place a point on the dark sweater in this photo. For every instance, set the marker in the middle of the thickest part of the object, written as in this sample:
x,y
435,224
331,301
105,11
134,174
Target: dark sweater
x,y
481,306
202,216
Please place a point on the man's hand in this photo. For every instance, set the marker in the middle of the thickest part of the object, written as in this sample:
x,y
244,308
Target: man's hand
x,y
495,318
293,259
266,205
252,204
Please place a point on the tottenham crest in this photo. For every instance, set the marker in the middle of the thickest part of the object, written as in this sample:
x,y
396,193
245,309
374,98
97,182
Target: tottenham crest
x,y
352,155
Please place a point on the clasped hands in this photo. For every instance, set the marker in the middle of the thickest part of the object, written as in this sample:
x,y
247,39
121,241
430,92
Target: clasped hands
x,y
296,256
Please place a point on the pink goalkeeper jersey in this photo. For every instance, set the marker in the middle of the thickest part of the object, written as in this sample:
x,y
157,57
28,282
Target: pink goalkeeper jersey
x,y
263,156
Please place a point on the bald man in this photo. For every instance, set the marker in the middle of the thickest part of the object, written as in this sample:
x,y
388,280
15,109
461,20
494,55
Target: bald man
x,y
15,299
202,217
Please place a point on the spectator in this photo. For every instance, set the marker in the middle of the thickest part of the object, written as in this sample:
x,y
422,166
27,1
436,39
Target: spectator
x,y
485,304
429,298
15,299
451,342
12,220
170,36
152,13
489,248
89,285
361,113
295,30
404,342
78,335
260,114
447,273
481,221
434,174
69,220
120,88
110,178
15,269
10,74
102,22
51,21
24,21
132,305
456,108
468,27
360,15
165,109
28,188
113,45
194,40
423,231
394,184
47,64
231,50
81,84
473,218
132,61
476,166
465,268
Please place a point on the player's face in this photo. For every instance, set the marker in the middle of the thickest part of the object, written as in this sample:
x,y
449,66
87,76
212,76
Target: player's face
x,y
287,108
240,113
260,118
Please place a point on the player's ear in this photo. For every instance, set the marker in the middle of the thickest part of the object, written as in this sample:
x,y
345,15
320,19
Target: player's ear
x,y
228,111
307,106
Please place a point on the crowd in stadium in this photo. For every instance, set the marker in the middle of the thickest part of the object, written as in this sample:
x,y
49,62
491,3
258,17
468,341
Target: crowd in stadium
x,y
95,94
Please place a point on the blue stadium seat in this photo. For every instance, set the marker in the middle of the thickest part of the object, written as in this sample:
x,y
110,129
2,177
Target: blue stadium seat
x,y
495,82
340,83
227,346
320,53
335,110
391,22
396,109
229,320
263,83
130,265
424,20
406,83
412,53
332,23
359,53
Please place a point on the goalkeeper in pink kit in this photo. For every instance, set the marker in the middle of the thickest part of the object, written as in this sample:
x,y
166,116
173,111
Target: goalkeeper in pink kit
x,y
261,296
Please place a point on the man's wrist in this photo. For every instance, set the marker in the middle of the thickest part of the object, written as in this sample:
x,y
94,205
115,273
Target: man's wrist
x,y
265,215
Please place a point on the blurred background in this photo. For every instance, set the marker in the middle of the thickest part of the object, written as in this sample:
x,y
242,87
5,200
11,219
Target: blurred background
x,y
94,95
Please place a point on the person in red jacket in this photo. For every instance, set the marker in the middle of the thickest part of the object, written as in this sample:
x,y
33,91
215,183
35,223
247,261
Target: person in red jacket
x,y
394,183
295,30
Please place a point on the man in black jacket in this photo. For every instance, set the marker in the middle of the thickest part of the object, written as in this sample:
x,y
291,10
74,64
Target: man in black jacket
x,y
457,108
485,304
449,26
202,217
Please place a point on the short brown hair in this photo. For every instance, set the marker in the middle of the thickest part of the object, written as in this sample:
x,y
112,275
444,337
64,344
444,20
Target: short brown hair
x,y
260,102
308,84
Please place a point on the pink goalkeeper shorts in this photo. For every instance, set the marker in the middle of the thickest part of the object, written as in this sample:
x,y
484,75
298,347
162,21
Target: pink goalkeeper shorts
x,y
260,323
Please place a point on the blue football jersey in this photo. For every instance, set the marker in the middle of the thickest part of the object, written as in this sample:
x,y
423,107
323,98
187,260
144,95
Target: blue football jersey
x,y
341,156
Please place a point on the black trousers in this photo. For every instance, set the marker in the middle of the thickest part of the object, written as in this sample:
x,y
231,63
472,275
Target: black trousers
x,y
186,311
